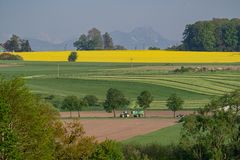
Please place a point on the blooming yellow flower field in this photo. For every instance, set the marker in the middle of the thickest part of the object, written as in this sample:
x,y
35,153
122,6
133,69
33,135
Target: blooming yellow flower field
x,y
145,56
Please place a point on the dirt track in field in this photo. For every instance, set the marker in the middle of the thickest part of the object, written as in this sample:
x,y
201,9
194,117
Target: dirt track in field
x,y
150,113
121,129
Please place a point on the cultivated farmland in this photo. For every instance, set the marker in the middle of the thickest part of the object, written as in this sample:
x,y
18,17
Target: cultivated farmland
x,y
136,56
63,78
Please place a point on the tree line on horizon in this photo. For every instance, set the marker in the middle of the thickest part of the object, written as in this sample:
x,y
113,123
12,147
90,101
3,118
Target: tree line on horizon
x,y
212,35
94,40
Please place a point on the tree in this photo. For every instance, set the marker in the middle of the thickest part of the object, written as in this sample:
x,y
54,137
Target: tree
x,y
107,41
8,138
230,37
93,41
13,44
95,36
70,103
90,100
114,100
109,150
72,142
213,132
214,35
29,120
174,103
16,44
82,43
144,100
72,57
25,46
80,105
199,36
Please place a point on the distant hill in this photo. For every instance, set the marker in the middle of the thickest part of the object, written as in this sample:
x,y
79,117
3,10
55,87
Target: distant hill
x,y
141,38
40,45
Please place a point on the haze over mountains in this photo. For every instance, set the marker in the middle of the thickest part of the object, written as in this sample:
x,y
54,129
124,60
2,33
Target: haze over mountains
x,y
138,38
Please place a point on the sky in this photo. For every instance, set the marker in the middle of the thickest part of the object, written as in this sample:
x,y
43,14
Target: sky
x,y
60,20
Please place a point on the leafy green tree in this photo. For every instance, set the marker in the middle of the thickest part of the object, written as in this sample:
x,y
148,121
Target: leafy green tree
x,y
95,36
80,105
72,142
108,150
13,44
174,103
93,41
70,103
114,100
16,44
91,100
82,43
144,100
72,57
25,46
214,35
8,138
213,132
230,37
107,41
199,36
31,121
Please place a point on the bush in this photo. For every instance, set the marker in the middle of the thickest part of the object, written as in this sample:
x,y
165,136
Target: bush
x,y
91,100
72,57
154,152
9,56
108,150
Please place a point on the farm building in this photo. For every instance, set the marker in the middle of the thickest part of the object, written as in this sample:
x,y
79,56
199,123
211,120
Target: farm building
x,y
2,49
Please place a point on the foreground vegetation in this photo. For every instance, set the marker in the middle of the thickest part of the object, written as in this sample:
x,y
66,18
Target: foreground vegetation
x,y
30,129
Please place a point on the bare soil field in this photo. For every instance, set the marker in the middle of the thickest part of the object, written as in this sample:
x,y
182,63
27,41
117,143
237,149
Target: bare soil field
x,y
121,129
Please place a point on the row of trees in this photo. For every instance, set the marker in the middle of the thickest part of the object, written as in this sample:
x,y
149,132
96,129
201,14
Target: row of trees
x,y
115,100
94,40
17,44
214,35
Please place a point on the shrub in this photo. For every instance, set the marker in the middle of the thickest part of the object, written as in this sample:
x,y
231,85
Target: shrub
x,y
91,100
108,149
9,56
72,57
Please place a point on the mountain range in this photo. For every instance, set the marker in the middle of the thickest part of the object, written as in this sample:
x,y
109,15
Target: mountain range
x,y
138,38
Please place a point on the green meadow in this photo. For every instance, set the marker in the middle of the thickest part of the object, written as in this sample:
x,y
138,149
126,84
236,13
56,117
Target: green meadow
x,y
63,78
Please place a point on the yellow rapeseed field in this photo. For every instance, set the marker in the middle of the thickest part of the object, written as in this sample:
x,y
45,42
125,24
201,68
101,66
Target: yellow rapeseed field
x,y
145,56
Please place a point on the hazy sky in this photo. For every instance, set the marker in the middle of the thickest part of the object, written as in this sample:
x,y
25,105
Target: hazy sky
x,y
59,20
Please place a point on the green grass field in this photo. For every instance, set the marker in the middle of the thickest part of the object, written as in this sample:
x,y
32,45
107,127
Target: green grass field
x,y
166,136
81,79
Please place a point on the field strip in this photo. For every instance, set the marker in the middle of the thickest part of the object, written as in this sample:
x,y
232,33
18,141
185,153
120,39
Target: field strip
x,y
161,83
168,82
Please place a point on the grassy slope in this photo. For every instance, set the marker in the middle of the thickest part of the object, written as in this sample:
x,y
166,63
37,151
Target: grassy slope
x,y
95,78
165,136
